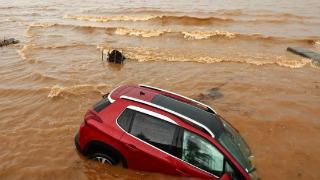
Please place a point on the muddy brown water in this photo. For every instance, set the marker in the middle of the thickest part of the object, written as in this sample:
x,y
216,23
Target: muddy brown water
x,y
230,55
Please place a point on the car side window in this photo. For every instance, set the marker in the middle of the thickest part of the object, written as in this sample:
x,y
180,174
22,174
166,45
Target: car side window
x,y
154,131
125,119
201,153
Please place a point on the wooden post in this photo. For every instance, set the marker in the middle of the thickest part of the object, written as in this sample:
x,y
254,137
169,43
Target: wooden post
x,y
102,55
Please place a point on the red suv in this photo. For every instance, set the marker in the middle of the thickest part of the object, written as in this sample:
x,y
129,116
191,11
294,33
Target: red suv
x,y
150,129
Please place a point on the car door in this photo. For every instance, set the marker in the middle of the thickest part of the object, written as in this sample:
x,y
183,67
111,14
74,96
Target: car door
x,y
148,140
199,157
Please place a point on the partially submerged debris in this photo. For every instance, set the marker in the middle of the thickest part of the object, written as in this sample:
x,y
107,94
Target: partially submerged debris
x,y
116,57
305,53
9,41
211,94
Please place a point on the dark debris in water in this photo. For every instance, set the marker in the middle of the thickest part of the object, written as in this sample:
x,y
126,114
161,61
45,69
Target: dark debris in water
x,y
307,54
215,93
6,42
115,57
211,94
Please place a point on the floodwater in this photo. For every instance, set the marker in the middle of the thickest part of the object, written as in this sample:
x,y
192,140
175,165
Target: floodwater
x,y
229,54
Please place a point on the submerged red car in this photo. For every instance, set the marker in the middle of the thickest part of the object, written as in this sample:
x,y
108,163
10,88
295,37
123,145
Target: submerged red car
x,y
150,129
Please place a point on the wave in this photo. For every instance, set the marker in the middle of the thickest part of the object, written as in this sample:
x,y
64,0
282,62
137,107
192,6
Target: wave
x,y
47,8
175,19
147,54
163,19
111,18
192,35
22,52
205,35
58,90
109,30
222,12
198,19
36,76
60,46
44,25
140,33
29,33
135,32
27,49
141,54
191,20
261,13
188,35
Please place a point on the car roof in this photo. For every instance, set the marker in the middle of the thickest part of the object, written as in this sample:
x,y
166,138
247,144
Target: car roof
x,y
133,91
210,120
173,103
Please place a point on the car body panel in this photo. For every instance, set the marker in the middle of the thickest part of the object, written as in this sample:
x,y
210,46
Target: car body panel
x,y
145,157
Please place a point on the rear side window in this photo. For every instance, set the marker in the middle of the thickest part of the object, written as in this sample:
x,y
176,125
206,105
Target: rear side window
x,y
125,119
152,130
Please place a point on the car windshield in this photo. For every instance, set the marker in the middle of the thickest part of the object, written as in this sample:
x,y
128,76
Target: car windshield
x,y
236,145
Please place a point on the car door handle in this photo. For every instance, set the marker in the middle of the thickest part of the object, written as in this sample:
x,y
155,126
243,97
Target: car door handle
x,y
132,147
182,172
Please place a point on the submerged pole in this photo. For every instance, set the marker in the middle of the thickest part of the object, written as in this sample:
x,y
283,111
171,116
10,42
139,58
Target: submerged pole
x,y
102,55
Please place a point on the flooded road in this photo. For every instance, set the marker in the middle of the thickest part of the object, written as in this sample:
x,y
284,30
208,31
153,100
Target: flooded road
x,y
238,49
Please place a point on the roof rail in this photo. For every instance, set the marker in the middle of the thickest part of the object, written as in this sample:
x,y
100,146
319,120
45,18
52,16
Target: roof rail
x,y
109,95
171,112
192,100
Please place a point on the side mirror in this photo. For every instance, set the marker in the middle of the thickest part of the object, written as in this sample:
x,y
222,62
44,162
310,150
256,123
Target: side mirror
x,y
226,176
